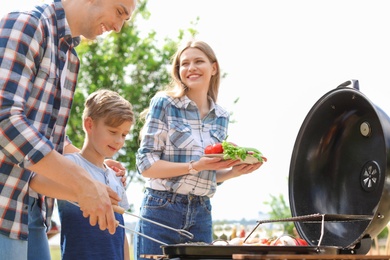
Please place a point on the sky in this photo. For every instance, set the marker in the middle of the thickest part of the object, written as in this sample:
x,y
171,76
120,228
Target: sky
x,y
280,57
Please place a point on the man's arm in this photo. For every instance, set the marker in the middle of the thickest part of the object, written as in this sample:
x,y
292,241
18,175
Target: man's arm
x,y
115,165
92,195
70,148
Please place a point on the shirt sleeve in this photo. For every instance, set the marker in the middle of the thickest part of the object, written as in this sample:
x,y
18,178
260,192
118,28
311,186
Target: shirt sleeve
x,y
21,41
154,135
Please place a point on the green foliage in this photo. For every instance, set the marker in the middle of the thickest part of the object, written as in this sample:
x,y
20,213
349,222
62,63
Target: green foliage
x,y
279,210
134,65
384,233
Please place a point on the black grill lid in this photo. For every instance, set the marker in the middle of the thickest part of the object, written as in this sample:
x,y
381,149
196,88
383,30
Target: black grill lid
x,y
339,166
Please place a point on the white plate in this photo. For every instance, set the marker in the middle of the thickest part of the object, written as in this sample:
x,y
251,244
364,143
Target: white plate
x,y
250,159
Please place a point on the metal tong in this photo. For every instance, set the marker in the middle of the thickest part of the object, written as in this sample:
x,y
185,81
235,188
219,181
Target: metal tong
x,y
122,211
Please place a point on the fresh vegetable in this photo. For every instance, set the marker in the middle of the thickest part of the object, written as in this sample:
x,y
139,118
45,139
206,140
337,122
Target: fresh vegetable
x,y
232,151
287,240
217,148
284,241
301,242
208,149
214,149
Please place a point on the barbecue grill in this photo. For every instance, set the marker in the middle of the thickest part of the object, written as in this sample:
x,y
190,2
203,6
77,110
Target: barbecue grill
x,y
338,185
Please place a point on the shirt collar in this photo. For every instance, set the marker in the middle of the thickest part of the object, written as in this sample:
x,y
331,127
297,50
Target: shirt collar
x,y
184,102
63,25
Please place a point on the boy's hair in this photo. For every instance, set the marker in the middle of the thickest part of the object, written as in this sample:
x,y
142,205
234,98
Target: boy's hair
x,y
110,106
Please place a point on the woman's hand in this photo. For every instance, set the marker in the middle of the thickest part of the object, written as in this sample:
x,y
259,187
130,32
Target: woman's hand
x,y
214,163
237,170
246,168
118,168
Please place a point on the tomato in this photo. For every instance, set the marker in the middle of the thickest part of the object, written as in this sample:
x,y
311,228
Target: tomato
x,y
301,242
265,241
217,148
208,149
213,149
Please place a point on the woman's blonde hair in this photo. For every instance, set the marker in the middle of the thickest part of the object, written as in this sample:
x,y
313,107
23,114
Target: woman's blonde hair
x,y
110,106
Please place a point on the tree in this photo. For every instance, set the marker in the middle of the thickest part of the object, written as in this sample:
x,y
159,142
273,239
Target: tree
x,y
134,66
280,210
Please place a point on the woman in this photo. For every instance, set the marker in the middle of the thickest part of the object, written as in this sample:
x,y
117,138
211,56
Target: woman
x,y
180,122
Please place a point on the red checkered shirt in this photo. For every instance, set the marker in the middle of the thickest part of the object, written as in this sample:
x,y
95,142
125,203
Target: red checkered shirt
x,y
38,74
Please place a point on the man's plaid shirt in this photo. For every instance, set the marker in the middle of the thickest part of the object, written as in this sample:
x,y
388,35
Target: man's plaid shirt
x,y
38,74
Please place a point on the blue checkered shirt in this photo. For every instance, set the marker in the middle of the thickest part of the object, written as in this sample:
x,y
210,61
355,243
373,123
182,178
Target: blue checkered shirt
x,y
38,74
175,132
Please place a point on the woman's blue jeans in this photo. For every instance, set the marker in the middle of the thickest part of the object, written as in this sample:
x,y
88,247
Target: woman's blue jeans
x,y
189,212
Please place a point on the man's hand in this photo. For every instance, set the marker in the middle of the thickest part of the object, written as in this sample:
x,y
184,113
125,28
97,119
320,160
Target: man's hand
x,y
113,196
94,198
95,201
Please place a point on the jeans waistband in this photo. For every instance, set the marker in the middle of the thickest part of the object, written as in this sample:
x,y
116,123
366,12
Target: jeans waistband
x,y
172,196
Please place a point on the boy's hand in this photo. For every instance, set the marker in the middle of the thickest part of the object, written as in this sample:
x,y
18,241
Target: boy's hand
x,y
118,168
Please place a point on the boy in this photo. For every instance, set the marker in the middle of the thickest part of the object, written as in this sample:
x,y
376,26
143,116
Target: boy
x,y
107,119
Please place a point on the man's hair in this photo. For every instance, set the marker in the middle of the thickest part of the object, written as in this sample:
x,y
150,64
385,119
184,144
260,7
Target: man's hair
x,y
110,106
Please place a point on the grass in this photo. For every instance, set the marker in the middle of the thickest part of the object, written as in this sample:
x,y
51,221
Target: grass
x,y
55,253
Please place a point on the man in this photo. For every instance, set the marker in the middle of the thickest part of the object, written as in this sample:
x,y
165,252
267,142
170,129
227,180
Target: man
x,y
38,73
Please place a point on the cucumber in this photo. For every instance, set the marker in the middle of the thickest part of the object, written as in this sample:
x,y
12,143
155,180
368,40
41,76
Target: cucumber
x,y
251,149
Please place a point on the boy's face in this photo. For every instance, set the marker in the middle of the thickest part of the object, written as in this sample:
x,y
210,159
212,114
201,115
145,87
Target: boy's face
x,y
107,140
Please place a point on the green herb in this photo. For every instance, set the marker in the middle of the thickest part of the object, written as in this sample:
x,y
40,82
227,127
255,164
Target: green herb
x,y
232,151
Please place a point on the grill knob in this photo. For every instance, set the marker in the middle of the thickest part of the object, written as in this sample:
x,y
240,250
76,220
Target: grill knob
x,y
370,176
365,129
